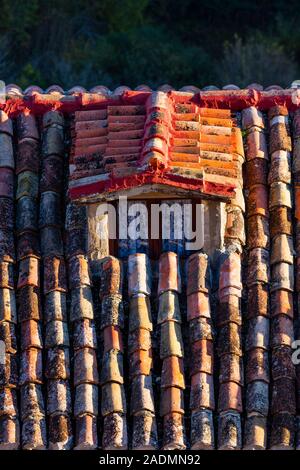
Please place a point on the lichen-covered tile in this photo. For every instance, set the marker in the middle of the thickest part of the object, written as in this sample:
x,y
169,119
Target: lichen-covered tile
x,y
28,303
56,334
112,311
28,245
258,300
257,398
27,127
282,363
53,141
255,433
60,432
7,218
6,275
257,200
28,186
198,273
57,364
50,209
169,273
258,233
115,432
231,369
283,396
202,391
197,305
229,312
112,398
281,221
139,274
168,308
202,357
140,313
79,272
235,226
200,328
112,339
51,242
8,336
282,435
171,343
27,156
258,266
8,402
7,183
202,430
76,242
174,432
31,334
81,304
144,436
54,274
8,309
26,217
9,371
84,334
229,340
256,172
31,366
86,400
58,397
7,246
280,169
139,339
141,394
282,331
85,367
282,277
32,401
282,249
110,276
34,436
257,365
29,272
258,333
55,306
229,431
9,433
280,195
279,137
112,367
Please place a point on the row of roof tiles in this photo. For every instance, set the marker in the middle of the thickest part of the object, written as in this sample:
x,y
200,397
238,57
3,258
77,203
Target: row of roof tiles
x,y
14,90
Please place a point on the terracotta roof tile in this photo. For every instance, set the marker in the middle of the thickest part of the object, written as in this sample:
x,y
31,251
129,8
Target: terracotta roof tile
x,y
255,433
9,433
144,432
114,432
230,432
189,143
86,433
60,433
34,434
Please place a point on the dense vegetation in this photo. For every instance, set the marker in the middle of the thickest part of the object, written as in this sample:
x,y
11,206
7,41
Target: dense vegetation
x,y
113,42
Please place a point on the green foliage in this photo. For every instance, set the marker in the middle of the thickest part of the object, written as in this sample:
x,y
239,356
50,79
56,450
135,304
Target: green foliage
x,y
117,42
